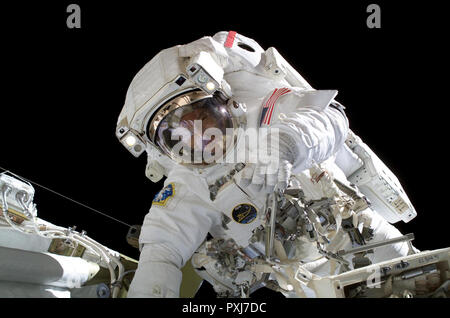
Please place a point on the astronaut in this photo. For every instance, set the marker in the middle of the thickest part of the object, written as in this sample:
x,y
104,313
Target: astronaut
x,y
195,109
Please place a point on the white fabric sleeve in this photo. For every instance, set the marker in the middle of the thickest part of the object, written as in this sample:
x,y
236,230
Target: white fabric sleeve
x,y
169,236
158,273
314,135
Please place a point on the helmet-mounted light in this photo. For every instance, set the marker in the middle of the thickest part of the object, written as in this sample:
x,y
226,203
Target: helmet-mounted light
x,y
205,72
131,141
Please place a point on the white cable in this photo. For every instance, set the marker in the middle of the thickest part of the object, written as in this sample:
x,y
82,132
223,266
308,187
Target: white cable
x,y
116,283
5,211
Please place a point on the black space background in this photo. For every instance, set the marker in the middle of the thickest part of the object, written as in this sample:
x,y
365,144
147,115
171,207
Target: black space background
x,y
62,91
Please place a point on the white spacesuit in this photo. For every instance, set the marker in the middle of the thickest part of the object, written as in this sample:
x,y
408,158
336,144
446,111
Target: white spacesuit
x,y
229,83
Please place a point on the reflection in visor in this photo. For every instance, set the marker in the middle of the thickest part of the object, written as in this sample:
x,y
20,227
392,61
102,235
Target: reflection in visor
x,y
196,133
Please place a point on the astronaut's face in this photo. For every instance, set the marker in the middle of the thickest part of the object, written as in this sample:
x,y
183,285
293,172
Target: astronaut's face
x,y
199,114
202,119
196,133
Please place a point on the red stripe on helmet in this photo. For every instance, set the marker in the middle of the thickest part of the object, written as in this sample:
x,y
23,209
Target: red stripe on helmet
x,y
230,39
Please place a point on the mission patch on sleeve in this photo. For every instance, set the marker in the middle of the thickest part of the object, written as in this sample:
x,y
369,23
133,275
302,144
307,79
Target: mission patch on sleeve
x,y
164,195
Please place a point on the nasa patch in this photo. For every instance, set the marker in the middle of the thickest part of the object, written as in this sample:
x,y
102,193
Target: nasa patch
x,y
244,213
164,195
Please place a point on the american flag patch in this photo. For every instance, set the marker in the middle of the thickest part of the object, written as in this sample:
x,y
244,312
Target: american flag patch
x,y
268,107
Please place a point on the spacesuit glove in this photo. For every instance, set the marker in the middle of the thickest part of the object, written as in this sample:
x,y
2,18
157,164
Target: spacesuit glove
x,y
274,166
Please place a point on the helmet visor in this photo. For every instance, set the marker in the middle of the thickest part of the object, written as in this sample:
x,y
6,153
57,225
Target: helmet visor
x,y
196,133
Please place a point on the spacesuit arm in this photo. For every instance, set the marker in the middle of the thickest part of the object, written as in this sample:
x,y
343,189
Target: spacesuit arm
x,y
313,134
170,234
